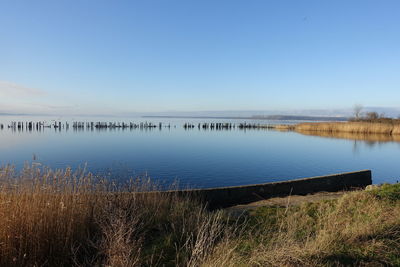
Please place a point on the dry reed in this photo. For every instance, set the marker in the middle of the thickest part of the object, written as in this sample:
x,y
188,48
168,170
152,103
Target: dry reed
x,y
69,218
350,127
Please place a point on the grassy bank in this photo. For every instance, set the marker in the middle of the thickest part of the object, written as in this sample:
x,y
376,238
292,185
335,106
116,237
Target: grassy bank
x,y
359,229
67,218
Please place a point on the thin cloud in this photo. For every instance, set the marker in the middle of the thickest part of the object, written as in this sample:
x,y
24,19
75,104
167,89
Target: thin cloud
x,y
9,89
45,106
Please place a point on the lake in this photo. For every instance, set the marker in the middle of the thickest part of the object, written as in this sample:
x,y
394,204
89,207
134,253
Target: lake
x,y
196,157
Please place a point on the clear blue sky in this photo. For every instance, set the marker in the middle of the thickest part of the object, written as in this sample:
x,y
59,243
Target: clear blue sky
x,y
97,56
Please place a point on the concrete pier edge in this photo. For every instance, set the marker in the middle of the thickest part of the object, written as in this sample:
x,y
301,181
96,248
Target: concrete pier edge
x,y
234,195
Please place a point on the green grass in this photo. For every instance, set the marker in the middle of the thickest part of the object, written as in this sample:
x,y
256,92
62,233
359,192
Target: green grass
x,y
388,191
359,229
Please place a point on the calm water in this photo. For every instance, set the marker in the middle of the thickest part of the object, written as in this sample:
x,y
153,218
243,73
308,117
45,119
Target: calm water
x,y
198,158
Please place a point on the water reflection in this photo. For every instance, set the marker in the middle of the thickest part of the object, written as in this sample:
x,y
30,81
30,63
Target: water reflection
x,y
80,126
368,139
221,154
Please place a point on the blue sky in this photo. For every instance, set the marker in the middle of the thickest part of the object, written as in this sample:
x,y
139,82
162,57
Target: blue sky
x,y
114,57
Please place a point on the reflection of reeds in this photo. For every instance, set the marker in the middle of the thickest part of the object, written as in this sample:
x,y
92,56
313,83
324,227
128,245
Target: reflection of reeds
x,y
69,218
354,136
350,127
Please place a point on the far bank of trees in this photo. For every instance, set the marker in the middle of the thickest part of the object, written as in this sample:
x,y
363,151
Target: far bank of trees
x,y
371,116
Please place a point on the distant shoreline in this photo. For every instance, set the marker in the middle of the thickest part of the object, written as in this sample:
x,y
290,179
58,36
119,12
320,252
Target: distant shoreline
x,y
271,117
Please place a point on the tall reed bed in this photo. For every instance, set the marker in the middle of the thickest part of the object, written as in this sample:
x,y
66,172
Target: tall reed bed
x,y
66,218
351,127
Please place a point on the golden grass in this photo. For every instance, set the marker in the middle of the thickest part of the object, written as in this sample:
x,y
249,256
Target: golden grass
x,y
67,218
350,127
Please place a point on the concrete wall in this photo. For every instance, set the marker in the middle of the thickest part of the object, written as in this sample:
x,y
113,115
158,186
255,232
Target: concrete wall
x,y
235,195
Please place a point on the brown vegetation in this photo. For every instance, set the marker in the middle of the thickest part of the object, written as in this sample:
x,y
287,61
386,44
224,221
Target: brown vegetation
x,y
369,123
375,118
350,127
66,218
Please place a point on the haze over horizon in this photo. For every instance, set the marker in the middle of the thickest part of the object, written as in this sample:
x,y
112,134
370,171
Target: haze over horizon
x,y
160,57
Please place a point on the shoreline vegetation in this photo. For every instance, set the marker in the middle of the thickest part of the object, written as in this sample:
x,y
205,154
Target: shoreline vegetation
x,y
65,218
256,117
351,127
372,127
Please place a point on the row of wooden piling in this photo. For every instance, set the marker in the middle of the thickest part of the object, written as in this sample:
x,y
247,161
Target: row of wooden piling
x,y
217,126
115,125
227,126
19,125
77,125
